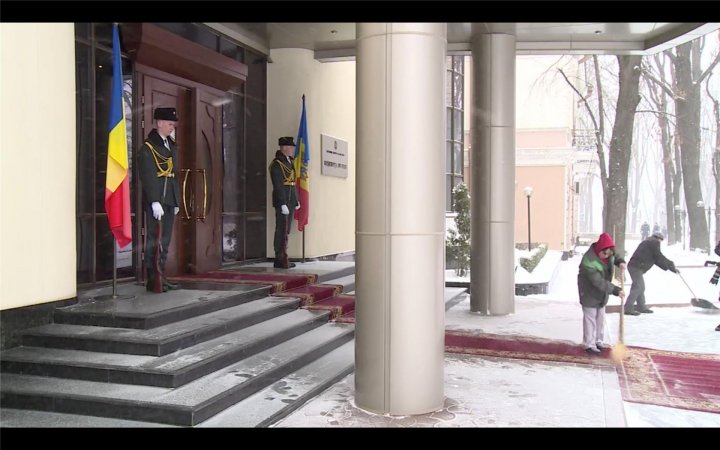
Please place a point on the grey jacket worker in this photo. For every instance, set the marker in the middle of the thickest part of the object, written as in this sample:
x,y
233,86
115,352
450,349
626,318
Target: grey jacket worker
x,y
158,176
646,255
282,174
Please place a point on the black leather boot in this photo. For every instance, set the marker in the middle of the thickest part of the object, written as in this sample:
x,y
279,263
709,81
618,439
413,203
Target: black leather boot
x,y
283,263
169,285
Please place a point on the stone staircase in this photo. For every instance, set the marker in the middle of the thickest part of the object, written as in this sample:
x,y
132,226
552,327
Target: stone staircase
x,y
205,356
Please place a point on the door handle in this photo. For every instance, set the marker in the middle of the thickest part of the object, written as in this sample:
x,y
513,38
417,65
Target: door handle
x,y
187,172
204,210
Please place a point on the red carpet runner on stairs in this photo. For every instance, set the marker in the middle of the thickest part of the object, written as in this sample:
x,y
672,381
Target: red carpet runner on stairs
x,y
300,285
279,282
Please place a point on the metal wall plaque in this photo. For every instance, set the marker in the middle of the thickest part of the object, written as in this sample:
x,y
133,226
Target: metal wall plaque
x,y
334,156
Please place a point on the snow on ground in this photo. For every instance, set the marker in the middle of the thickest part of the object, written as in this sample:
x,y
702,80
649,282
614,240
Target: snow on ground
x,y
557,315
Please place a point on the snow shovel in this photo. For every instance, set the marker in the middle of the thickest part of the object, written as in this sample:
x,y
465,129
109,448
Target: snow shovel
x,y
699,302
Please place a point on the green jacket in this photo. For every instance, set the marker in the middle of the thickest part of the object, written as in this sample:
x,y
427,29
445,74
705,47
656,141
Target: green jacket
x,y
594,279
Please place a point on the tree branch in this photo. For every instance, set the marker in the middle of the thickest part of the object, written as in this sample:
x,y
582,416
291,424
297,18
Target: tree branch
x,y
582,97
650,77
710,68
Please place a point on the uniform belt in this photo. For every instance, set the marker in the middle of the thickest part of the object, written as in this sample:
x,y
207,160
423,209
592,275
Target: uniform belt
x,y
289,183
169,175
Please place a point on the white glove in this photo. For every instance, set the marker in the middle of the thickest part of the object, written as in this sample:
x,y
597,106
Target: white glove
x,y
284,210
177,210
298,205
157,210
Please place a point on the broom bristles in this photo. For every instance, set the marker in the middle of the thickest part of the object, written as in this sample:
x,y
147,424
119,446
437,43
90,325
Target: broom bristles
x,y
618,352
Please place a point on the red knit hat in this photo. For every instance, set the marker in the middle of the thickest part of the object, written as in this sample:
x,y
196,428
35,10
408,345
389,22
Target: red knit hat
x,y
603,242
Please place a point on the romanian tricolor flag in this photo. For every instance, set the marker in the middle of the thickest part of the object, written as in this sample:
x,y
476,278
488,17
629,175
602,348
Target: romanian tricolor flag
x,y
302,160
117,185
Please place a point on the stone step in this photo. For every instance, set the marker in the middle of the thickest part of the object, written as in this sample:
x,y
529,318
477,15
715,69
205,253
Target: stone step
x,y
278,400
347,282
161,340
148,310
187,405
25,418
172,370
325,277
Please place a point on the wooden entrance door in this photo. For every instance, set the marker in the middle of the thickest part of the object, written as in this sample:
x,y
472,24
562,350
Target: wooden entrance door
x,y
197,239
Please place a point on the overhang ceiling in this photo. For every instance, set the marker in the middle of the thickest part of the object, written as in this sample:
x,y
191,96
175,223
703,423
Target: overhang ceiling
x,y
336,41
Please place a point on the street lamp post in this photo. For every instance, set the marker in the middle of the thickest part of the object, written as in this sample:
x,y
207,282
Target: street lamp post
x,y
528,193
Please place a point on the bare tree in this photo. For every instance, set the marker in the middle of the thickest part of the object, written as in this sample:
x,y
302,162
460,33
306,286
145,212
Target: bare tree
x,y
621,147
715,155
685,91
658,94
598,124
614,179
687,106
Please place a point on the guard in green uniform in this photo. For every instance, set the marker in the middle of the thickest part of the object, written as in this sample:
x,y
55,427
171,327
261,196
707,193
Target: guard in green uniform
x,y
284,198
161,193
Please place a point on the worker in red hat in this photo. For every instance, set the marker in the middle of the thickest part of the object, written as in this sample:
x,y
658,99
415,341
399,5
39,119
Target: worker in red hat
x,y
595,286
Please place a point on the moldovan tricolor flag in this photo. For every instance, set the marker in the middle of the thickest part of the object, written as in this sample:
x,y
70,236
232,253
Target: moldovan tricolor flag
x,y
302,160
117,186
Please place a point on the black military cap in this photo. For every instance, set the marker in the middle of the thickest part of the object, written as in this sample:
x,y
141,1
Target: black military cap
x,y
165,114
287,140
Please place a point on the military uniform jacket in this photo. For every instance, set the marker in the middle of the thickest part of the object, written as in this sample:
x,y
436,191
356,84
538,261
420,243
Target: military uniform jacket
x,y
594,279
152,183
282,174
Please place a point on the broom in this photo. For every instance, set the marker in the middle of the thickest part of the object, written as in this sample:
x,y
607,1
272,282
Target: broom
x,y
619,351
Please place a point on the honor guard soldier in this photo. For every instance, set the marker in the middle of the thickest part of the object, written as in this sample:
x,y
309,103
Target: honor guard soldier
x,y
161,193
284,198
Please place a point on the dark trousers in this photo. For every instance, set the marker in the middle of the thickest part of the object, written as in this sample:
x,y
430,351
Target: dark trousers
x,y
168,219
637,291
282,230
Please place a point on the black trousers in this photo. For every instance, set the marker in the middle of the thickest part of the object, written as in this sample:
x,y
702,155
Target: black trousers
x,y
282,230
168,219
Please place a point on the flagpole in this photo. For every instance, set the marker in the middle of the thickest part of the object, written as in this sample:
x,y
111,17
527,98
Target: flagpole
x,y
114,294
303,258
119,168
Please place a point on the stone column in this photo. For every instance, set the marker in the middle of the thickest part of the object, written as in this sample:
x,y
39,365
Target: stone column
x,y
492,275
400,218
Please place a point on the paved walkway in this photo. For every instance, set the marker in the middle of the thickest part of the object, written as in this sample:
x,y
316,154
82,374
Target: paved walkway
x,y
497,392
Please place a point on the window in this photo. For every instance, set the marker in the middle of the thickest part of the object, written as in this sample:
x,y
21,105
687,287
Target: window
x,y
93,77
455,136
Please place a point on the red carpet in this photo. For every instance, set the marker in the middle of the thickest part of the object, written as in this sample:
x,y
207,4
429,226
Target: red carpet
x,y
655,377
279,282
312,294
299,285
340,307
673,379
521,347
348,317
